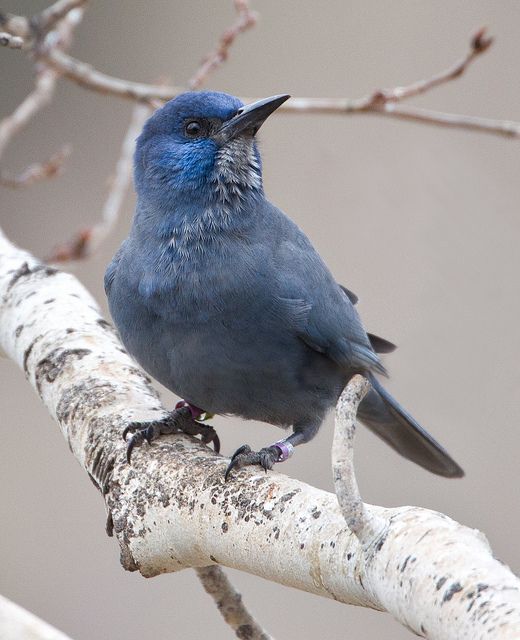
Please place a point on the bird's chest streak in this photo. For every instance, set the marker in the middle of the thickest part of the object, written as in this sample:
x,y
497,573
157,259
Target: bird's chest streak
x,y
203,280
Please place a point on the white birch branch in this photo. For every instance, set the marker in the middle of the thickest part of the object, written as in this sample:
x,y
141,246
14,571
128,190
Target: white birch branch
x,y
367,525
16,623
445,560
171,509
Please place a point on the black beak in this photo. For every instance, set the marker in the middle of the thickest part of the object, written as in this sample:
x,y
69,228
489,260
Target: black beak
x,y
249,119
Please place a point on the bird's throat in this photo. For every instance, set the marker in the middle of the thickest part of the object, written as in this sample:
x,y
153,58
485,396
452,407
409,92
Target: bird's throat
x,y
237,171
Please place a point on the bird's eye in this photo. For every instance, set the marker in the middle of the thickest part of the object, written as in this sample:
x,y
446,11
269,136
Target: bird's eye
x,y
193,129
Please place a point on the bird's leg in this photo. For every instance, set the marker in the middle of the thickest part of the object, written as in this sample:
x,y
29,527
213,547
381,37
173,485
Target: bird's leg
x,y
183,419
279,451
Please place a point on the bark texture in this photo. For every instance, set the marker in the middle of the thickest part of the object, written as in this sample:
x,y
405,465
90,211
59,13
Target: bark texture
x,y
172,510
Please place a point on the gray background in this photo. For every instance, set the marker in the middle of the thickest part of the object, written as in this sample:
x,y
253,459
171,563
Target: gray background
x,y
421,222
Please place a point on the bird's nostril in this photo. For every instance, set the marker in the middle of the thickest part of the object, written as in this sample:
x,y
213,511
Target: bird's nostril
x,y
240,111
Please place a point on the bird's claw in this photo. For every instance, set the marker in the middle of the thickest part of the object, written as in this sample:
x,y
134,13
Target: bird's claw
x,y
244,456
141,431
206,432
136,438
178,421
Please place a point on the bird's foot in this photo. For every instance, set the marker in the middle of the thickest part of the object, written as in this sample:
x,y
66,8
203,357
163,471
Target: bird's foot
x,y
181,420
266,457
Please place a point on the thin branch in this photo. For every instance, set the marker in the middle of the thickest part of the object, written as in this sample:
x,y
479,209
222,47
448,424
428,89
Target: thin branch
x,y
229,603
45,82
246,19
49,17
381,102
10,41
122,177
479,43
15,25
503,128
37,171
34,102
87,76
86,241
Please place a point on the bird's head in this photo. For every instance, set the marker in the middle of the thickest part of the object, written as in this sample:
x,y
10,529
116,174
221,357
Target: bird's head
x,y
201,146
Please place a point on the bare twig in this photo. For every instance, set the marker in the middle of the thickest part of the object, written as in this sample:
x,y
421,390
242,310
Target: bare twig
x,y
15,25
10,41
122,177
246,19
44,85
504,128
230,604
86,76
479,43
49,17
382,102
36,100
86,241
37,171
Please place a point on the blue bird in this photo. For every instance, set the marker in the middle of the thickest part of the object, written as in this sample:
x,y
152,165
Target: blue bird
x,y
224,300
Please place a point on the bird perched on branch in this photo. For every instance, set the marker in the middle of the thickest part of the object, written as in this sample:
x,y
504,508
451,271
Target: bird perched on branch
x,y
223,299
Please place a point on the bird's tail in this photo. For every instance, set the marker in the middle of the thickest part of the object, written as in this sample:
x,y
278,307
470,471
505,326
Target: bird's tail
x,y
383,415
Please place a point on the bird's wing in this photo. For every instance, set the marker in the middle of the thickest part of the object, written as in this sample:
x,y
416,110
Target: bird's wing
x,y
341,341
317,308
350,294
379,345
111,270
